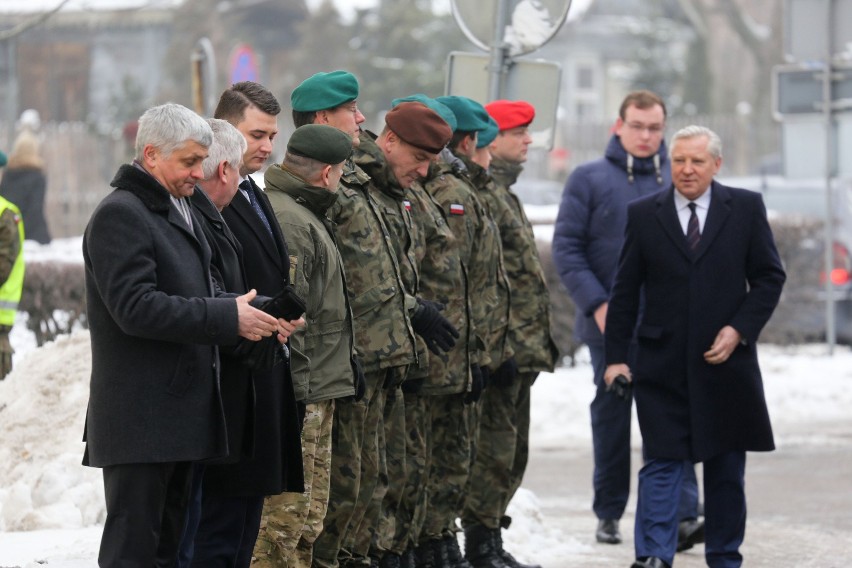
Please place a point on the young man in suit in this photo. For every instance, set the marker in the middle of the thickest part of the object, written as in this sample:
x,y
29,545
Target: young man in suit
x,y
233,493
704,256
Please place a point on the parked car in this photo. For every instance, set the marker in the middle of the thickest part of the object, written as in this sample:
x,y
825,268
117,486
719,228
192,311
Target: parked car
x,y
797,212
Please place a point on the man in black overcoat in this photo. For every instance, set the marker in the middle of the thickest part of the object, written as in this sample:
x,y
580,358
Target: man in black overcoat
x,y
155,318
704,257
234,493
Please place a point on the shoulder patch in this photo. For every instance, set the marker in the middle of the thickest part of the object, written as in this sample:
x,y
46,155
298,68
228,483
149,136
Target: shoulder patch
x,y
456,209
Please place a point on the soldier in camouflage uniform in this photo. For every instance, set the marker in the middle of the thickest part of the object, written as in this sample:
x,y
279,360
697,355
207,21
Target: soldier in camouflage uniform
x,y
300,191
529,336
11,276
394,160
384,340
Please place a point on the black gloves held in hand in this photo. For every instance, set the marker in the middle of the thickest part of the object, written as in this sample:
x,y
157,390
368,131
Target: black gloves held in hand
x,y
438,333
360,380
476,385
506,373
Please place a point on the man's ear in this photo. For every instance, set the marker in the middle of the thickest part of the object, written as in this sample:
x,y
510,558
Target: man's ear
x,y
325,176
222,171
150,155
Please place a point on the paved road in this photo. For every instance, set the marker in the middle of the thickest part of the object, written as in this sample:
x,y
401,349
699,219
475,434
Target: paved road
x,y
799,498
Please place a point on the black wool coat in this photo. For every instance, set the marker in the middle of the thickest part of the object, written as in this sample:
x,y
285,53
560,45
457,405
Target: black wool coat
x,y
154,325
237,384
277,463
688,408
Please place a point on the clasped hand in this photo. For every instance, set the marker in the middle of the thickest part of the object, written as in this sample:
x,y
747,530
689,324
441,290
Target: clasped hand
x,y
256,324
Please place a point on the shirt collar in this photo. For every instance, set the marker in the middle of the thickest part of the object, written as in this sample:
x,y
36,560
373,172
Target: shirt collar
x,y
682,202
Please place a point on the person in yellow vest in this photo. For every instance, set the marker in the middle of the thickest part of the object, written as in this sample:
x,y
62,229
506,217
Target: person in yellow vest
x,y
11,275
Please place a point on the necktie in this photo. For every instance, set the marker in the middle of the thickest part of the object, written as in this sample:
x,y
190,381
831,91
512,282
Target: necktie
x,y
245,185
693,233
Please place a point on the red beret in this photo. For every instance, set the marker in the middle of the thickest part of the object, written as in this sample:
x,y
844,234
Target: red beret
x,y
420,126
511,114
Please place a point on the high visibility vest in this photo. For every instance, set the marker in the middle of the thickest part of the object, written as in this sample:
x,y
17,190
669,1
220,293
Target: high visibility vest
x,y
10,291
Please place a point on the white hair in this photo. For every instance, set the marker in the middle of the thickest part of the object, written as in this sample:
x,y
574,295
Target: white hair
x,y
714,143
170,126
228,145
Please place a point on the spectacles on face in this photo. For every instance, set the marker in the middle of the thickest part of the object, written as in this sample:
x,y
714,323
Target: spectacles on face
x,y
652,129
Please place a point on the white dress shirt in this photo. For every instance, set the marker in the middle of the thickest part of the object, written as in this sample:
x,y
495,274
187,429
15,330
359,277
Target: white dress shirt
x,y
702,206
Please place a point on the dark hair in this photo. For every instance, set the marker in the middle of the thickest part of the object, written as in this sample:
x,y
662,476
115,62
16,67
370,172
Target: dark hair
x,y
303,117
641,100
458,137
235,100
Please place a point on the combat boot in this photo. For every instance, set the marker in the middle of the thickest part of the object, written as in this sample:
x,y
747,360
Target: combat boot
x,y
454,555
408,559
480,548
507,558
423,555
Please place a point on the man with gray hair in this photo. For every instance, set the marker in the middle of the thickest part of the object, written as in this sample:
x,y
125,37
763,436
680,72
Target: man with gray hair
x,y
155,319
704,257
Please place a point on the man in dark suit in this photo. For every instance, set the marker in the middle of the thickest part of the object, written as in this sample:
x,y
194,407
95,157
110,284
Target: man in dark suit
x,y
704,255
233,493
155,319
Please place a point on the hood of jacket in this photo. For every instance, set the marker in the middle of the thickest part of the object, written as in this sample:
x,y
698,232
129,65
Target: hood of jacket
x,y
315,199
652,165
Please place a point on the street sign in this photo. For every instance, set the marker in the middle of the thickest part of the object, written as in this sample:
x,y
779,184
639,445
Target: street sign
x,y
533,80
529,25
243,64
798,89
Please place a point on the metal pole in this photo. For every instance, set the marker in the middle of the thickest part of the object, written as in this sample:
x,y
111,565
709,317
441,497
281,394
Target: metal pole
x,y
497,65
830,334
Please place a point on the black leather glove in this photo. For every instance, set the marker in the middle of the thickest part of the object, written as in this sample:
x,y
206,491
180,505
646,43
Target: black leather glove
x,y
486,376
506,373
475,385
438,333
360,379
269,352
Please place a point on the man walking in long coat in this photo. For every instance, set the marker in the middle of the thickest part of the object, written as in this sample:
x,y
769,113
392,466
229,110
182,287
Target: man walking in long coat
x,y
704,255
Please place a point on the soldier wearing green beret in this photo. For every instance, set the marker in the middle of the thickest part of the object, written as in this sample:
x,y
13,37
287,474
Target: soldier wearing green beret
x,y
301,191
384,338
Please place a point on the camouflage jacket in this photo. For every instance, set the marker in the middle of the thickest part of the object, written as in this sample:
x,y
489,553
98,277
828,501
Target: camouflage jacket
x,y
498,339
443,280
466,217
383,334
529,331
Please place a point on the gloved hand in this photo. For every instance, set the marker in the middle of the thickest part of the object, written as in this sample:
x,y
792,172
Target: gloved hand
x,y
506,373
438,333
486,376
360,380
475,385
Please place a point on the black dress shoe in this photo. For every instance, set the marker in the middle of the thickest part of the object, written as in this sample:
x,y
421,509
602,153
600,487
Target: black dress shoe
x,y
607,532
689,533
651,562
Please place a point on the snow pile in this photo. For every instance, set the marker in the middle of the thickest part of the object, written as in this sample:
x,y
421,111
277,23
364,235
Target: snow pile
x,y
42,412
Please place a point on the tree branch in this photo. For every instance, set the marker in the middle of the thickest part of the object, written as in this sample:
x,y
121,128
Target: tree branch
x,y
31,23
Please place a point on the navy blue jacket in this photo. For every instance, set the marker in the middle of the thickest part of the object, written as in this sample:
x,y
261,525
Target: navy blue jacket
x,y
589,229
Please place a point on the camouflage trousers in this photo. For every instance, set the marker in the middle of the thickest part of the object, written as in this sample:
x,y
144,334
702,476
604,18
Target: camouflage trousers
x,y
502,453
291,522
354,470
6,351
452,424
411,509
370,532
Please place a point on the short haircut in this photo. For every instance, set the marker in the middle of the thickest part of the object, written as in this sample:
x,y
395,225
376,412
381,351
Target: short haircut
x,y
301,118
308,169
168,127
714,143
458,137
641,100
236,99
228,145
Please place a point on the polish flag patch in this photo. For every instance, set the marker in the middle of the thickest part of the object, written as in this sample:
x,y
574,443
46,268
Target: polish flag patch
x,y
456,209
407,204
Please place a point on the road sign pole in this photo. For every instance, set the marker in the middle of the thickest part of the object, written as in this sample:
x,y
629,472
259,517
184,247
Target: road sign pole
x,y
830,331
499,56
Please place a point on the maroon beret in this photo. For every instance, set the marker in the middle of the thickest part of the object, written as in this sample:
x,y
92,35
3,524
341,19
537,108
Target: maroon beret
x,y
420,126
511,114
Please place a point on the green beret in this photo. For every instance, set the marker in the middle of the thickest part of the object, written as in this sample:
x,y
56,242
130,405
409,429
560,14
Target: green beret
x,y
487,136
2,159
320,142
420,126
470,115
324,91
442,109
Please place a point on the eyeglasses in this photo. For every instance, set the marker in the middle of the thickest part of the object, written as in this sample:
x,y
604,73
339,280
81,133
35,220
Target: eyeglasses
x,y
653,129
